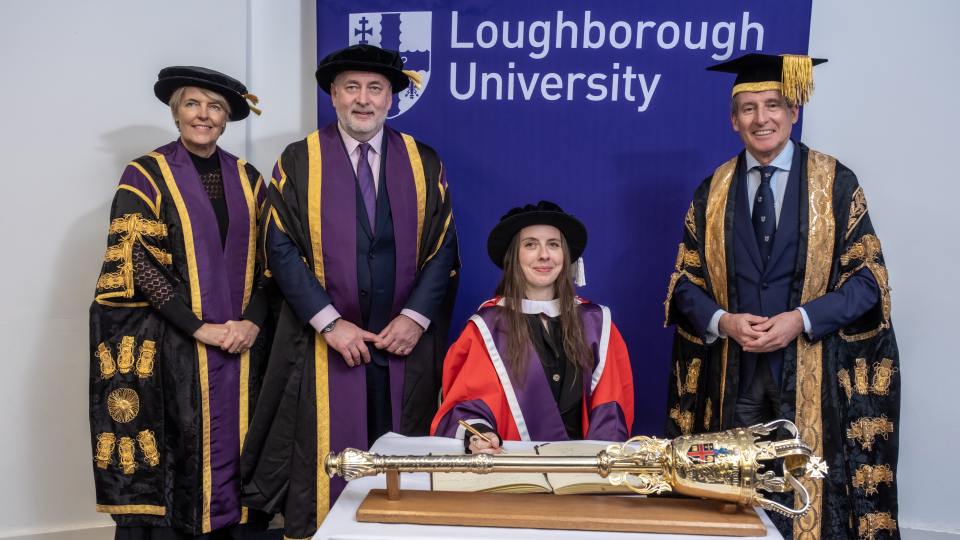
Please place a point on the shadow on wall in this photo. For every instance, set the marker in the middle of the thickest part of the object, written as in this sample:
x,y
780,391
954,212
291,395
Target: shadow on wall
x,y
62,436
128,143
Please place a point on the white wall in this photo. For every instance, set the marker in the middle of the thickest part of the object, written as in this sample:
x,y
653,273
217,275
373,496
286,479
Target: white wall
x,y
77,104
886,105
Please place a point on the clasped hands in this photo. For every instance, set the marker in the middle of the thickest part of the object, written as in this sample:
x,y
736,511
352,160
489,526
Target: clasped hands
x,y
398,338
232,336
758,334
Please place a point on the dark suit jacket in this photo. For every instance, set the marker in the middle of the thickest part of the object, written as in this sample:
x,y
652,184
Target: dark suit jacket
x,y
376,260
765,289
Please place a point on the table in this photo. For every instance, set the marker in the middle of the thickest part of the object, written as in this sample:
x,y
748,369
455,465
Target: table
x,y
341,524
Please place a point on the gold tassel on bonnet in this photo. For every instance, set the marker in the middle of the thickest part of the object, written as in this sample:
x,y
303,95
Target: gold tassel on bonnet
x,y
790,74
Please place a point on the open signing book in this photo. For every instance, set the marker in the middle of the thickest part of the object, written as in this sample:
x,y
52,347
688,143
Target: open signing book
x,y
558,483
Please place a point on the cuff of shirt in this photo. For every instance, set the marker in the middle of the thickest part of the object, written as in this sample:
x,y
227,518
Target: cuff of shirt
x,y
806,322
713,328
417,318
324,317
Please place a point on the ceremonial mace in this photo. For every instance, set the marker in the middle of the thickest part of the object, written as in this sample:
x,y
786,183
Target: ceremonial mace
x,y
727,466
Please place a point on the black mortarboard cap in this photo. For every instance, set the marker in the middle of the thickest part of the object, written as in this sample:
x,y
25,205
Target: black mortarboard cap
x,y
791,74
366,58
234,91
542,213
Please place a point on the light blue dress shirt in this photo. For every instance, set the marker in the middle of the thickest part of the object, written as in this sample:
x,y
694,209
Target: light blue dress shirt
x,y
778,183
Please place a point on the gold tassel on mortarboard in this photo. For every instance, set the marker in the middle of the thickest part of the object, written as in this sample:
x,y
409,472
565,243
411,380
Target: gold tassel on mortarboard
x,y
253,99
797,78
414,77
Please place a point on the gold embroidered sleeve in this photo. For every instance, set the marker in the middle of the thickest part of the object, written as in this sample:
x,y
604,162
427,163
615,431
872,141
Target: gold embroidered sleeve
x,y
688,265
858,209
117,276
866,253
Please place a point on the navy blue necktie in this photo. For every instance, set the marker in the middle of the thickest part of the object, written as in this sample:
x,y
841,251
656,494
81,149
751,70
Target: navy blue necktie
x,y
765,213
367,189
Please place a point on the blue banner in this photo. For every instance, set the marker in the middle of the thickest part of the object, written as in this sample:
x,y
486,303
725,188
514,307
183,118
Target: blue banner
x,y
602,107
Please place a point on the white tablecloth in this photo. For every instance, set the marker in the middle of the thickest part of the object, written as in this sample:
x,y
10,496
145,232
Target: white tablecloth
x,y
341,522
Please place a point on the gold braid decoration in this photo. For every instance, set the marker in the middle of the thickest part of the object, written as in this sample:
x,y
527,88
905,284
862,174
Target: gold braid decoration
x,y
679,381
695,280
126,450
108,368
131,227
866,429
707,414
686,258
683,419
821,228
105,443
136,224
843,377
148,349
869,477
693,376
690,222
858,209
860,382
159,254
674,278
148,445
875,522
882,375
688,336
123,404
117,280
867,251
125,356
116,253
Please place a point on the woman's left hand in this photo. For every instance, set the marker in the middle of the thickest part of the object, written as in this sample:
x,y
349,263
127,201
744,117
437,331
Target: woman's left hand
x,y
240,336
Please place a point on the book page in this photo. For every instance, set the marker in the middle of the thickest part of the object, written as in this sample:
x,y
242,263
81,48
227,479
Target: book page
x,y
574,483
492,482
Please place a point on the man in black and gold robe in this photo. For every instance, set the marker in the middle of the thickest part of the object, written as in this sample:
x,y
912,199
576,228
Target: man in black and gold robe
x,y
781,305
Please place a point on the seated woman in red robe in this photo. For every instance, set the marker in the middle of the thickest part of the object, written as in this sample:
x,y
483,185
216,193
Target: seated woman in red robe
x,y
536,362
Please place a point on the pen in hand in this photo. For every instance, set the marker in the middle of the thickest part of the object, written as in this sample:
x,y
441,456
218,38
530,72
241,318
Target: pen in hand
x,y
474,431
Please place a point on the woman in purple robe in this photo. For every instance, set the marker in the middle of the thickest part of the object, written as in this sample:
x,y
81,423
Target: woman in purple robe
x,y
175,326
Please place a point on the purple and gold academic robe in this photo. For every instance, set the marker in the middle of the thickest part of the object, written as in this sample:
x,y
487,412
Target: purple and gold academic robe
x,y
313,402
840,386
167,413
479,388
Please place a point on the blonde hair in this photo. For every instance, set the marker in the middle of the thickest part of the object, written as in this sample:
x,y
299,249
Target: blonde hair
x,y
177,97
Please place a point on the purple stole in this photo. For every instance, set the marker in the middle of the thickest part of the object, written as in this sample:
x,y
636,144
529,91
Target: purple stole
x,y
332,221
531,402
219,291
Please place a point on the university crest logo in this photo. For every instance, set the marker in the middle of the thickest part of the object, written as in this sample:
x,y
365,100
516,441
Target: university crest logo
x,y
405,31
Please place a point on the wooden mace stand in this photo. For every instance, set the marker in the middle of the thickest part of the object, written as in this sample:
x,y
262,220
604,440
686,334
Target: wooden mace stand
x,y
545,511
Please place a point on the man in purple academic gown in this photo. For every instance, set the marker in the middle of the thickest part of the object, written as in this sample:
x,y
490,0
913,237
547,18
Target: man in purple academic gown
x,y
361,241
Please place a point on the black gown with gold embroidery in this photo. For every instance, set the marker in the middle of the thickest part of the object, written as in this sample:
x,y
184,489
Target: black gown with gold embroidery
x,y
167,413
842,390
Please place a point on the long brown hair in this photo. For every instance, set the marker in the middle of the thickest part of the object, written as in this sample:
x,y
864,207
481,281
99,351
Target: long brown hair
x,y
512,288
